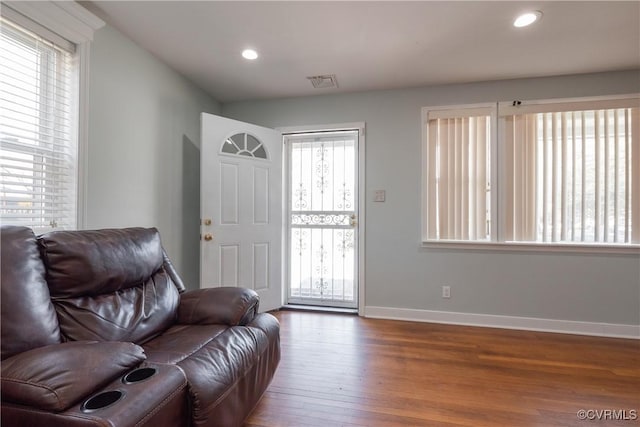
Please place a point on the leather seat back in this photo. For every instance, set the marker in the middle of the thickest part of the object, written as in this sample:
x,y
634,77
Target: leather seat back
x,y
110,285
28,318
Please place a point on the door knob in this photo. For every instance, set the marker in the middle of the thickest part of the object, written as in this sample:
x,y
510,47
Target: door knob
x,y
353,221
208,237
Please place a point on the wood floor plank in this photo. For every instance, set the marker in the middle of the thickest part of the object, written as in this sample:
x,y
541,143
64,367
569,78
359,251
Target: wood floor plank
x,y
342,370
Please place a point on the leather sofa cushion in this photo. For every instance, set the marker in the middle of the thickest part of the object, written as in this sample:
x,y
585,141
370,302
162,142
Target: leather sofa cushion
x,y
135,314
54,377
28,317
181,341
227,305
110,285
214,367
94,262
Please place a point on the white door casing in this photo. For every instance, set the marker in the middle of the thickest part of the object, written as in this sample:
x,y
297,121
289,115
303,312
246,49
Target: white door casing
x,y
241,207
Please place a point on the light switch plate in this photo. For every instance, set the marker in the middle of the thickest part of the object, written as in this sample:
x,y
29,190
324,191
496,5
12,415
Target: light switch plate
x,y
379,196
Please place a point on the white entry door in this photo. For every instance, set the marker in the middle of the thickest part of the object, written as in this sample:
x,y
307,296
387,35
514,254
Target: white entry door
x,y
241,207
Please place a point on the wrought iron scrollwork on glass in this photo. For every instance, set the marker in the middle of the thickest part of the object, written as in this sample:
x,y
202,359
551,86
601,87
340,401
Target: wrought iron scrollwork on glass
x,y
322,169
345,242
320,219
300,238
344,197
300,197
321,270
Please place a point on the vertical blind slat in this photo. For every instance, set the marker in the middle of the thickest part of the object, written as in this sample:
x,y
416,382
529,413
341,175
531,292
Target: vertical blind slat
x,y
457,178
465,215
545,175
627,161
554,178
516,189
563,185
574,169
511,130
606,171
597,175
616,176
583,212
451,229
483,141
472,176
432,189
527,162
443,206
635,175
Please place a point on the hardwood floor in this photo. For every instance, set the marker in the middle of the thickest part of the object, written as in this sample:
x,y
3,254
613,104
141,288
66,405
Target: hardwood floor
x,y
343,370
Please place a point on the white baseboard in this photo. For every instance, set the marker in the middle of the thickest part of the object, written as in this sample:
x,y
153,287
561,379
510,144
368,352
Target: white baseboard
x,y
506,322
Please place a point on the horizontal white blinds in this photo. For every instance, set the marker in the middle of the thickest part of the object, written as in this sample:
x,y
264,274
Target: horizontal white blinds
x,y
573,176
458,176
38,151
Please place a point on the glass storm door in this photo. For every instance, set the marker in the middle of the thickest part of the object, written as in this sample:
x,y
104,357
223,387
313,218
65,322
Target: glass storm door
x,y
322,218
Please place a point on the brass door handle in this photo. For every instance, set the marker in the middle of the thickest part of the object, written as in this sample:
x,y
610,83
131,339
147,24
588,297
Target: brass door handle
x,y
353,221
208,237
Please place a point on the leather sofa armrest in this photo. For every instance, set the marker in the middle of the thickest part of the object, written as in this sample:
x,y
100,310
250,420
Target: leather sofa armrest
x,y
226,305
54,377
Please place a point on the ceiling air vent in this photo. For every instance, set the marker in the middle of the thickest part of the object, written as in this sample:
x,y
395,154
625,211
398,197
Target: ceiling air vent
x,y
324,81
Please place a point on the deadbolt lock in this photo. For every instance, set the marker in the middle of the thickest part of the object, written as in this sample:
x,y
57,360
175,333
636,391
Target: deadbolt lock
x,y
207,221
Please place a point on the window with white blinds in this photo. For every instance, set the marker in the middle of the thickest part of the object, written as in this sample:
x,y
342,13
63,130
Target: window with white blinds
x,y
573,172
38,131
458,174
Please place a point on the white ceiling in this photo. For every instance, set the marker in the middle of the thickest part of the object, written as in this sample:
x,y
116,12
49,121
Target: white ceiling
x,y
374,45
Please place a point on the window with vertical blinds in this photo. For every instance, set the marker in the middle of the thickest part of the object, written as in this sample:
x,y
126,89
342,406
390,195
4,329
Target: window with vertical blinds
x,y
458,172
573,172
38,146
567,173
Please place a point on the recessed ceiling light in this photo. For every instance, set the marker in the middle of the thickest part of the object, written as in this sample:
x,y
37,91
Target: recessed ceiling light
x,y
527,19
249,54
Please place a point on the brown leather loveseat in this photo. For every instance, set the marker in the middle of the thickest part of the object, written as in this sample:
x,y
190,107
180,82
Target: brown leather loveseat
x,y
97,330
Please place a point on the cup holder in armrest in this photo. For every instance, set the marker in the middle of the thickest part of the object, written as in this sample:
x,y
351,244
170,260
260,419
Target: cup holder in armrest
x,y
138,375
101,400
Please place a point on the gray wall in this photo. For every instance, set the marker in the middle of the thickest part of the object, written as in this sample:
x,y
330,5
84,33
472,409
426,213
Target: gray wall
x,y
143,154
401,274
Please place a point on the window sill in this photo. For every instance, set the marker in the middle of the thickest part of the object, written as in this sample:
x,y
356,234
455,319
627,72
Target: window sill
x,y
534,247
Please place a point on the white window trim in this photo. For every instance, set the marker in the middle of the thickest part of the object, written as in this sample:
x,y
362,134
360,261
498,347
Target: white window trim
x,y
497,243
567,248
69,21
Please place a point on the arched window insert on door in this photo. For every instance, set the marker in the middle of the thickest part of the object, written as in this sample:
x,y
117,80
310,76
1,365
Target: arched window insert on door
x,y
243,144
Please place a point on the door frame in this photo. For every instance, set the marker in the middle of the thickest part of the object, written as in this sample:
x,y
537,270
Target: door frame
x,y
360,127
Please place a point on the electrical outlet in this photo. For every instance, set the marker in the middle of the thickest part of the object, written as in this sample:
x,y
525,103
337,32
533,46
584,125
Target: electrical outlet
x,y
446,292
